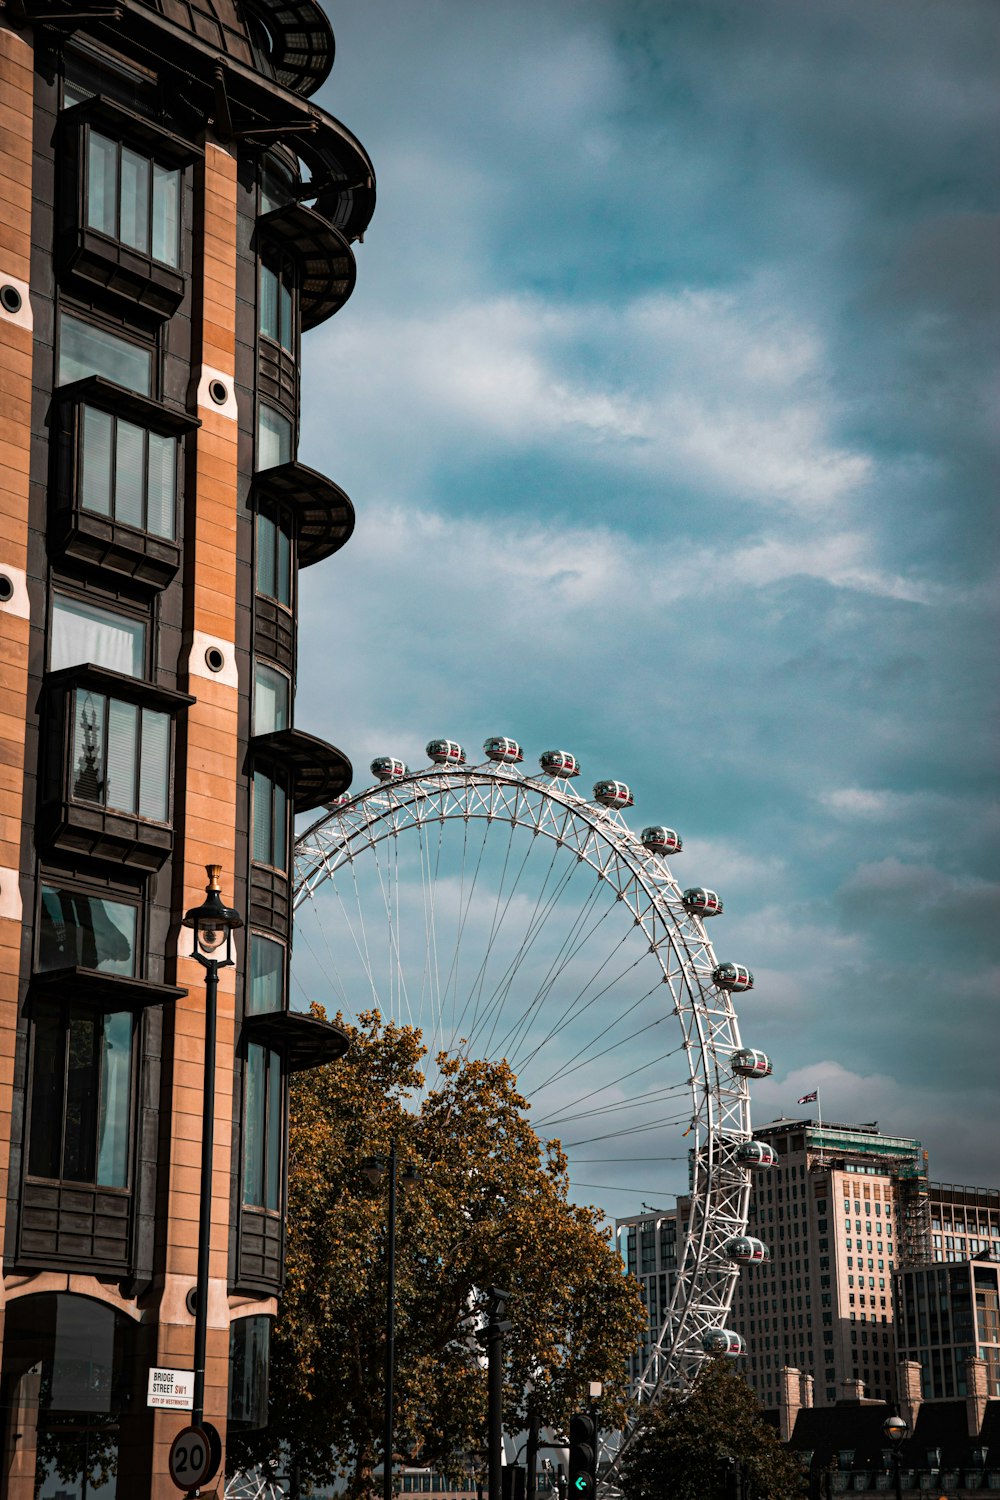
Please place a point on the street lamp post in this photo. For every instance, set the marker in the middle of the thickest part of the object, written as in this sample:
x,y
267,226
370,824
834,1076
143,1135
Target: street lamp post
x,y
895,1430
213,926
375,1168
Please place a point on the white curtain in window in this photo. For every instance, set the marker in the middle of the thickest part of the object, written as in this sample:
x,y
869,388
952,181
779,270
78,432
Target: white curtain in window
x,y
83,633
116,1076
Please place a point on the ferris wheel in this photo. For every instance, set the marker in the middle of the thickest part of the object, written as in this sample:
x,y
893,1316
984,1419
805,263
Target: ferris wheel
x,y
510,916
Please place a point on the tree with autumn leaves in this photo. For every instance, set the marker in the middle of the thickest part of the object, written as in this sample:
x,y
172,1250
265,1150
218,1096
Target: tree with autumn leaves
x,y
489,1207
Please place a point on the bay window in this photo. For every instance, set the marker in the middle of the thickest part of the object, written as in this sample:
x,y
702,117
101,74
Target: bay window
x,y
120,755
132,198
127,472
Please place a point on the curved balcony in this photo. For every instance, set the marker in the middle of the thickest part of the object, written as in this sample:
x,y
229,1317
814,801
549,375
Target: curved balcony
x,y
324,516
319,771
329,270
305,1040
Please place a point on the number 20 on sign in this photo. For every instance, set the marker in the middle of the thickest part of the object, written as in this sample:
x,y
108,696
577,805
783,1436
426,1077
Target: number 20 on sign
x,y
191,1458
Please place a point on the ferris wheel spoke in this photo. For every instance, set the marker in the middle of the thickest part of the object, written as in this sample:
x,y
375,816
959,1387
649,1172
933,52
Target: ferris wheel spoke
x,y
542,911
579,1006
521,953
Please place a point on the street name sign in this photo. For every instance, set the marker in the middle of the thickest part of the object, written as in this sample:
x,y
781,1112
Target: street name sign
x,y
173,1389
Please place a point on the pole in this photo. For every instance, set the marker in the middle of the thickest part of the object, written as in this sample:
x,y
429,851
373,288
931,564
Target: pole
x,y
898,1476
205,1205
390,1330
531,1457
494,1386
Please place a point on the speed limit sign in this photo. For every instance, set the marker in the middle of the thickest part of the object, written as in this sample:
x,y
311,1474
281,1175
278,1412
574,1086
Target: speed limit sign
x,y
193,1457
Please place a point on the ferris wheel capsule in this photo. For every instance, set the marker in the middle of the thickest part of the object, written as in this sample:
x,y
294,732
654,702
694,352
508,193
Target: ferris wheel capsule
x,y
746,1250
613,794
747,1062
446,752
723,1341
499,748
702,903
659,840
389,768
760,1156
735,977
559,763
337,804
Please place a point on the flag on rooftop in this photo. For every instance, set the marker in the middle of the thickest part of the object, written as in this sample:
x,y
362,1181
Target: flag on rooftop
x,y
809,1098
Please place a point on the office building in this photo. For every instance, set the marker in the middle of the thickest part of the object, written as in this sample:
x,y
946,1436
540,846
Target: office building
x,y
840,1208
174,214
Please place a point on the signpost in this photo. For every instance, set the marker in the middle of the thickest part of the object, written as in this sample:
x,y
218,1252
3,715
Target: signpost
x,y
173,1389
195,1456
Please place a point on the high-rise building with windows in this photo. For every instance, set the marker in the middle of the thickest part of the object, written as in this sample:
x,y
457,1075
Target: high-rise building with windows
x,y
174,214
836,1212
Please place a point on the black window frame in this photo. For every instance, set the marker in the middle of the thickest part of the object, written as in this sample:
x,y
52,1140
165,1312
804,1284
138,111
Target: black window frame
x,y
68,1005
51,877
273,1063
283,523
128,609
107,540
94,257
285,270
80,824
260,936
127,332
277,779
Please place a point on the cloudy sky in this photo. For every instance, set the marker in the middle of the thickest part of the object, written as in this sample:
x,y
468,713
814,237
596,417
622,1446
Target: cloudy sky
x,y
666,400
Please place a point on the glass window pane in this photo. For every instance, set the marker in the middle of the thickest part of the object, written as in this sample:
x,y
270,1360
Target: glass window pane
x,y
87,350
47,1068
82,1078
253,1126
83,633
265,556
87,777
274,438
129,465
123,755
95,460
166,215
75,928
116,1080
267,976
284,570
270,702
102,184
154,765
161,497
263,823
134,205
268,303
285,311
272,1184
279,856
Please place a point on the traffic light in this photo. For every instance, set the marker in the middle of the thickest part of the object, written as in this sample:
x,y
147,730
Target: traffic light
x,y
582,1456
